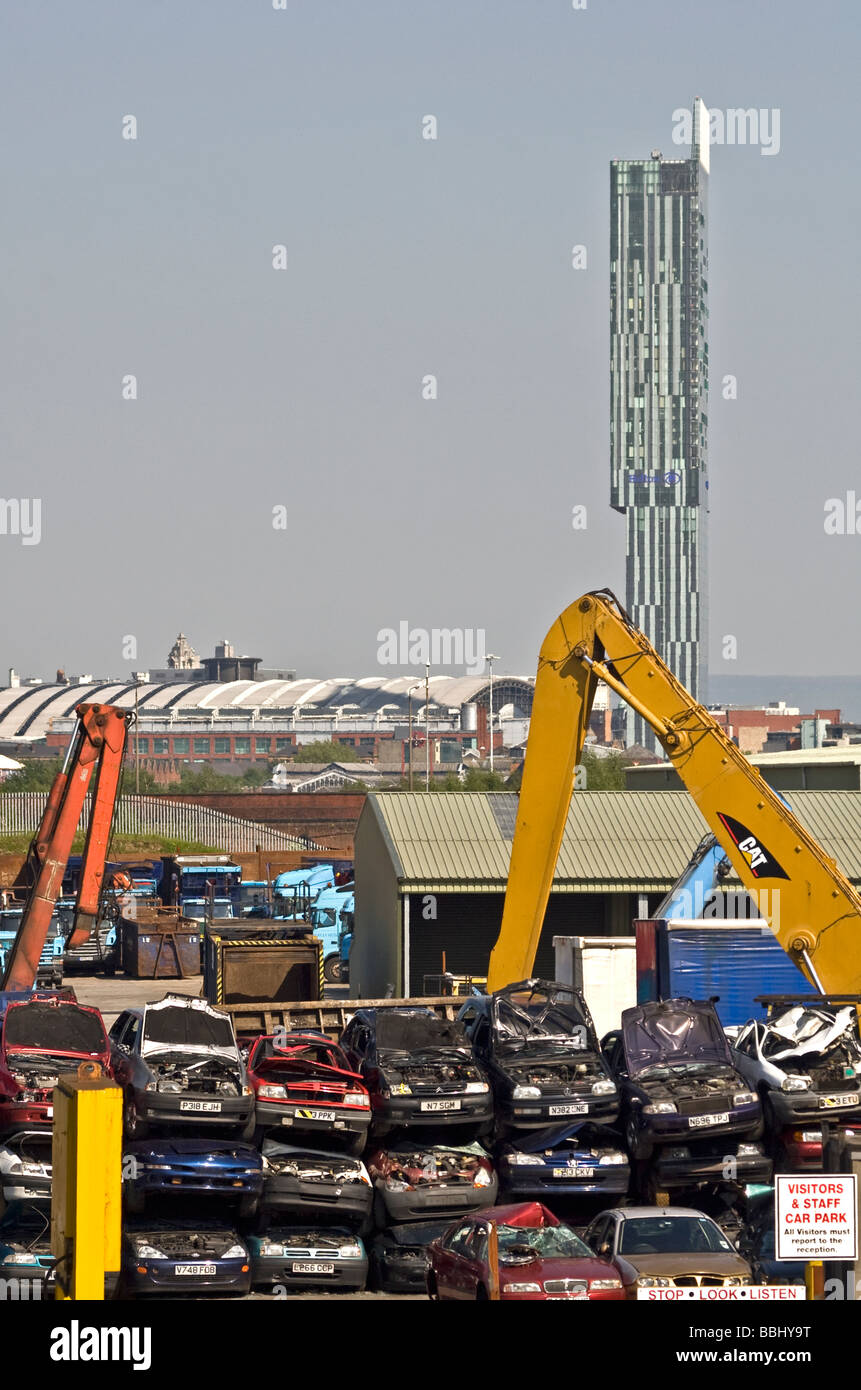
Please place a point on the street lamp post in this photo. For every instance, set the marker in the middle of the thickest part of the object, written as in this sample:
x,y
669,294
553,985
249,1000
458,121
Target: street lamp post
x,y
490,658
410,708
427,726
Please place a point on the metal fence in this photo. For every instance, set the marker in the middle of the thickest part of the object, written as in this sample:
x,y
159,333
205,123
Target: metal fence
x,y
20,813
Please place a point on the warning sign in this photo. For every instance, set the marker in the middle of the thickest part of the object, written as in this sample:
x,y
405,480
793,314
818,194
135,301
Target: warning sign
x,y
815,1217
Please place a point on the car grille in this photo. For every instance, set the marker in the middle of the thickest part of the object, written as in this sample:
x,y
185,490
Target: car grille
x,y
443,1088
565,1286
322,1095
694,1281
707,1105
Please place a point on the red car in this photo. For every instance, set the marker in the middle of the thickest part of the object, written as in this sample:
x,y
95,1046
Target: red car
x,y
302,1081
42,1038
539,1258
800,1147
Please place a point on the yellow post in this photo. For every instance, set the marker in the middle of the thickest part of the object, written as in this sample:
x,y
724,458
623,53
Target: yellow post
x,y
86,1187
814,1279
493,1260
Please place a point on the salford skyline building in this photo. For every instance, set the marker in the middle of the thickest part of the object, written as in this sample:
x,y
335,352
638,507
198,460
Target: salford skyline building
x,y
658,395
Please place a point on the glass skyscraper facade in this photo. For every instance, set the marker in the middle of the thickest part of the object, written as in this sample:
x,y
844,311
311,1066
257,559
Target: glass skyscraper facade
x,y
659,400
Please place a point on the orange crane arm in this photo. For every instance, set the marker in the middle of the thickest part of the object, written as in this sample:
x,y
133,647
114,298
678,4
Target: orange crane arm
x,y
98,745
819,910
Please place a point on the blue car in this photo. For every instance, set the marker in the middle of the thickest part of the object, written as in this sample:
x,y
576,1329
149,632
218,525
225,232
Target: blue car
x,y
25,1251
564,1160
307,1257
155,1167
184,1257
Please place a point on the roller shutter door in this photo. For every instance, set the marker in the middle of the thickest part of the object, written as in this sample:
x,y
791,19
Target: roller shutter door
x,y
467,925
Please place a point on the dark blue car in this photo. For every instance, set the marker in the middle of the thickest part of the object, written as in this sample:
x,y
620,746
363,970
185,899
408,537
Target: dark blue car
x,y
184,1257
563,1159
225,1168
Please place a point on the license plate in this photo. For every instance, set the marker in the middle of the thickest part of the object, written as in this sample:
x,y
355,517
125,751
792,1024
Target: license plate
x,y
315,1114
311,1267
209,1106
701,1121
195,1269
440,1105
580,1109
843,1102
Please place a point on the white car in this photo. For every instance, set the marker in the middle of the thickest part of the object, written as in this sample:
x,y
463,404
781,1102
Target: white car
x,y
25,1166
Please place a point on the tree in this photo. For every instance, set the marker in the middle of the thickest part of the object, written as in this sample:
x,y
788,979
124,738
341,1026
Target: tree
x,y
37,775
603,773
326,750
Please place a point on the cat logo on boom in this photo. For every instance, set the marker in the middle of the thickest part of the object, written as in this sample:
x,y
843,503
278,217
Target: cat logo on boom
x,y
762,864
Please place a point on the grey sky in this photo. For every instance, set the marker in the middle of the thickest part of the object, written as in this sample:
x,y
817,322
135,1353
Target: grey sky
x,y
406,257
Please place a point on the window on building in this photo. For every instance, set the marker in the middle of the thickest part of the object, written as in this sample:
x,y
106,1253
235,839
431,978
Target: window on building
x,y
180,746
283,745
201,745
222,745
241,746
143,745
160,745
262,745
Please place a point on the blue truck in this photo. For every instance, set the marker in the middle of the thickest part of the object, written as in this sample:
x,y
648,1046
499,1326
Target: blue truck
x,y
49,974
331,914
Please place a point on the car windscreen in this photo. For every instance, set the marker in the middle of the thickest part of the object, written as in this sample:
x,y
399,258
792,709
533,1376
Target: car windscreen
x,y
397,1032
194,1027
541,1017
670,1035
671,1235
63,1028
545,1242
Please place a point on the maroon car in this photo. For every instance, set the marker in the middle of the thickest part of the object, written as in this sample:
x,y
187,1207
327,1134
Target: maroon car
x,y
302,1081
42,1038
539,1258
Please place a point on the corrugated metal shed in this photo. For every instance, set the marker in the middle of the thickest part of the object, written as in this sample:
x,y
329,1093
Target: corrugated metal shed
x,y
615,841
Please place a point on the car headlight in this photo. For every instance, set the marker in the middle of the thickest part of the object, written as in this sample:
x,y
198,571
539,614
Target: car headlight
x,y
520,1288
170,1087
477,1088
526,1093
743,1098
151,1086
518,1160
811,1136
22,1259
749,1150
157,1167
274,1092
482,1178
795,1083
604,1088
615,1156
605,1283
661,1107
356,1098
648,1281
236,1252
398,1185
732,1281
399,1088
350,1252
148,1252
272,1247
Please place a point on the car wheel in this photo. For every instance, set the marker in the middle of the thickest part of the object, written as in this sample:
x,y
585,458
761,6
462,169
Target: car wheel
x,y
332,970
356,1146
637,1148
135,1127
381,1216
248,1207
135,1200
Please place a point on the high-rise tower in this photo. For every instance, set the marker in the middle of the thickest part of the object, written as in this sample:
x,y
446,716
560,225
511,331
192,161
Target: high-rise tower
x,y
658,399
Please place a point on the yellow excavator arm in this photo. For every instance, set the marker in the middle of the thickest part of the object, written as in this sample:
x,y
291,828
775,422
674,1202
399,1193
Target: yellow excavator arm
x,y
819,918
